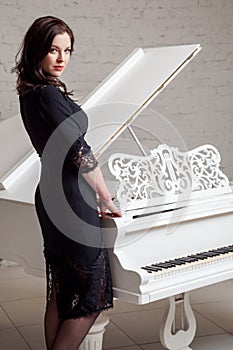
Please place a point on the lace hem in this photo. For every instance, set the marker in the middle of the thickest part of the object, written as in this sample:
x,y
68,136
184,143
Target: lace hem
x,y
80,291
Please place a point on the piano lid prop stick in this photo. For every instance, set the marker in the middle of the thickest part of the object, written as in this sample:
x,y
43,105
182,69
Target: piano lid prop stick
x,y
136,140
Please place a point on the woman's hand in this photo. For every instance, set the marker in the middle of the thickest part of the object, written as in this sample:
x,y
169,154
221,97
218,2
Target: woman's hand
x,y
95,179
108,208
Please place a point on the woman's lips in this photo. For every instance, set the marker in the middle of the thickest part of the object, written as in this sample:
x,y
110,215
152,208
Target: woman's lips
x,y
59,68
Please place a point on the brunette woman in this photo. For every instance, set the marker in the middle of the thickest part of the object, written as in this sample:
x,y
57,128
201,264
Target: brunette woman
x,y
79,284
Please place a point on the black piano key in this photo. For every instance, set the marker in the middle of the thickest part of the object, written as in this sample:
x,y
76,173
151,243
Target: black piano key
x,y
151,268
177,262
159,266
147,269
180,261
155,268
209,254
162,265
170,263
200,257
222,251
206,255
188,259
213,254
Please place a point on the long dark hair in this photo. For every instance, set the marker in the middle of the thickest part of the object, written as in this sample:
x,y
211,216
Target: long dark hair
x,y
36,45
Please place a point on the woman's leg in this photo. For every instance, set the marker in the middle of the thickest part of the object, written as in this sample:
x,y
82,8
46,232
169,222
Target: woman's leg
x,y
72,332
51,321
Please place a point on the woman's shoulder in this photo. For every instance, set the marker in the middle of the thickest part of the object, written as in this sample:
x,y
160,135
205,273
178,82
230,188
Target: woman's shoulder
x,y
49,94
48,90
42,90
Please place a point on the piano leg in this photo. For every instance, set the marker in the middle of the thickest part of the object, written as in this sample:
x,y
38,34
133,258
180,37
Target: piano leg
x,y
171,336
94,338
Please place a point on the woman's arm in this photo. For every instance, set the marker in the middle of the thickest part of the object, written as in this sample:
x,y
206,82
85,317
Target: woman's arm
x,y
90,170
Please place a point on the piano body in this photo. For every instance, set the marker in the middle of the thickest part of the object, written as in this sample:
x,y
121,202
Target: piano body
x,y
156,230
176,232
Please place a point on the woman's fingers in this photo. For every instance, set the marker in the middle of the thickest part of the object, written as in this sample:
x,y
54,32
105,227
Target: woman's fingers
x,y
109,205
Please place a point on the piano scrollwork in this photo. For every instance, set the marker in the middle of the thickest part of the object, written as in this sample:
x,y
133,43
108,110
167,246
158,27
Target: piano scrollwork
x,y
166,170
205,165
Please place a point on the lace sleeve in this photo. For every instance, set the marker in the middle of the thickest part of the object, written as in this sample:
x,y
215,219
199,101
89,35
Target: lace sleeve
x,y
83,157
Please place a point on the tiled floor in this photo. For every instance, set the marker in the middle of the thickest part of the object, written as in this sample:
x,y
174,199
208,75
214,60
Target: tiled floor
x,y
131,327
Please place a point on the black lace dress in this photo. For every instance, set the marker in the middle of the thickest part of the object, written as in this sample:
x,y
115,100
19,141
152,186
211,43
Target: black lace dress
x,y
77,265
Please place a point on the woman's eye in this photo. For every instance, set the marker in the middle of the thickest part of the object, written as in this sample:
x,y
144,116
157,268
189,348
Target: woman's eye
x,y
68,50
53,50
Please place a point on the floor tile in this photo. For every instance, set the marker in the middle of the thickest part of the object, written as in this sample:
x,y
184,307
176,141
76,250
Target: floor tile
x,y
25,312
216,292
115,338
215,342
14,289
220,313
206,327
10,339
4,320
34,335
152,346
141,326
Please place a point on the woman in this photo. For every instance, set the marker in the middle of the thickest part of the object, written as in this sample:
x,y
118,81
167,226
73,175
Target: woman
x,y
77,267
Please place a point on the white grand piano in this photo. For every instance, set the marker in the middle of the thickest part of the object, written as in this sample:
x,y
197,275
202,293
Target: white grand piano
x,y
175,234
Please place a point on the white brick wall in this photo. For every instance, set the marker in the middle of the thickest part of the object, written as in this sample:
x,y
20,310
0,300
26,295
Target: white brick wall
x,y
198,102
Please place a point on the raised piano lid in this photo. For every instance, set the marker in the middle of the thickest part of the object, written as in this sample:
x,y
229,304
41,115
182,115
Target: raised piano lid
x,y
130,88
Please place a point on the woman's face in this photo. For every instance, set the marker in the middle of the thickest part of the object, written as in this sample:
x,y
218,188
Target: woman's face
x,y
59,54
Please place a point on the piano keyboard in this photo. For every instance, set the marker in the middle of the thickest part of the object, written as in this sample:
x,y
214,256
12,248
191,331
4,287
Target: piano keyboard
x,y
190,262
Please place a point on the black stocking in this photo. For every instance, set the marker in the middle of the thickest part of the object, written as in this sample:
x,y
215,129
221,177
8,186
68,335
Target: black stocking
x,y
72,332
51,322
